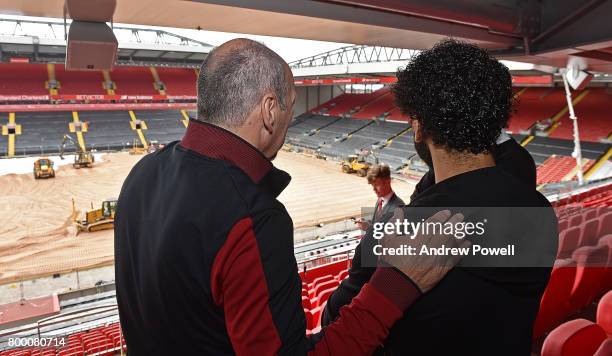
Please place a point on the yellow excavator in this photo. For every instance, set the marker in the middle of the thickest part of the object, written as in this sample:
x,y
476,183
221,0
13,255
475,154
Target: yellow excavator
x,y
96,219
43,168
82,158
358,164
355,164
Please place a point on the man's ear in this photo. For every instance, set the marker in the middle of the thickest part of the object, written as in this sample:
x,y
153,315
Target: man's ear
x,y
267,112
416,127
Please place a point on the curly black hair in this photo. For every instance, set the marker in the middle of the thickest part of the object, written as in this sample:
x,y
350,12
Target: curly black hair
x,y
460,95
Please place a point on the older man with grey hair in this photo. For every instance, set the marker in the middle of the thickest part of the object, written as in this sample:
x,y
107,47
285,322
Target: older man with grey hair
x,y
203,249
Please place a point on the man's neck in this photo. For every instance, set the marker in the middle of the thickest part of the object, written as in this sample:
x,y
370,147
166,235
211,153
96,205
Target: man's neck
x,y
449,165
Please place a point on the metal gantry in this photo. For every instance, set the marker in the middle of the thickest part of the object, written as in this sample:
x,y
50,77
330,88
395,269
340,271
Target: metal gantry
x,y
355,54
55,30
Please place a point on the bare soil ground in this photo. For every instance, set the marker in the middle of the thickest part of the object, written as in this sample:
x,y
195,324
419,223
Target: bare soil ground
x,y
37,237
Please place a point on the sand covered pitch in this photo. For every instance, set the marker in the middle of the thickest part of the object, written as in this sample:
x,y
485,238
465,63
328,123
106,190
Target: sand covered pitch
x,y
37,236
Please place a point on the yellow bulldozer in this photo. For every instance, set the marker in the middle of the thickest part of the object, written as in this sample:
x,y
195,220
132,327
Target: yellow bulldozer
x,y
82,158
355,164
43,168
96,219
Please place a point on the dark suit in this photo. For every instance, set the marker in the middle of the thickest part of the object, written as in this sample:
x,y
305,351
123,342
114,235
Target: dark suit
x,y
363,265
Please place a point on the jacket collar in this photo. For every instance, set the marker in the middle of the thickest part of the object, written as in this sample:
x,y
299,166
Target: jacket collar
x,y
216,142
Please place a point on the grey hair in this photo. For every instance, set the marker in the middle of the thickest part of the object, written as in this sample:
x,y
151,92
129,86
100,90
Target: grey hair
x,y
231,84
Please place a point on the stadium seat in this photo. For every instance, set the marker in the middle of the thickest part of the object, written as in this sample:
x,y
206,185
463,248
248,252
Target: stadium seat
x,y
342,275
605,224
319,280
575,220
314,317
605,349
588,233
322,286
306,302
590,214
554,305
579,337
568,241
590,271
562,225
607,282
604,313
322,297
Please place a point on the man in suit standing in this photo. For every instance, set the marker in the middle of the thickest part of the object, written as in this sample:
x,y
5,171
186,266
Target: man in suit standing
x,y
379,177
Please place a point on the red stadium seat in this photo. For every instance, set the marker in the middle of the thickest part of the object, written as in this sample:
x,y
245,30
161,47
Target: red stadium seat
x,y
607,282
554,306
319,280
588,233
322,297
590,272
342,275
590,214
605,349
578,337
322,286
306,302
604,313
562,225
605,224
575,220
568,242
314,317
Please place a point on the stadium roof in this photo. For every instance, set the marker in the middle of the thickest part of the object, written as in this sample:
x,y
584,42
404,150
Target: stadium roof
x,y
44,41
535,31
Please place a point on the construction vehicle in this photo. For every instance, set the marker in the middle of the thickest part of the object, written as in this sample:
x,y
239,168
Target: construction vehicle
x,y
43,168
137,149
355,164
82,158
96,219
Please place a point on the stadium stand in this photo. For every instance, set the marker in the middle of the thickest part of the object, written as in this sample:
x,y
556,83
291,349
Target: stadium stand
x,y
558,168
347,104
133,80
164,126
593,114
397,115
107,130
79,82
42,132
322,130
23,79
536,104
178,81
377,133
376,108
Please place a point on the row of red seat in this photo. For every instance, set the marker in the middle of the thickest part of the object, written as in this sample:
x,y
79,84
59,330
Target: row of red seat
x,y
315,295
583,271
581,337
596,197
583,230
555,168
31,79
101,341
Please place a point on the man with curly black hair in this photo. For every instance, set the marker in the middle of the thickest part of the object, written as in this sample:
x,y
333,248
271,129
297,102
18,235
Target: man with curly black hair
x,y
460,99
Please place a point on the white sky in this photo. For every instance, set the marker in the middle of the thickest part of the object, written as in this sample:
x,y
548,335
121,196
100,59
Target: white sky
x,y
289,49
